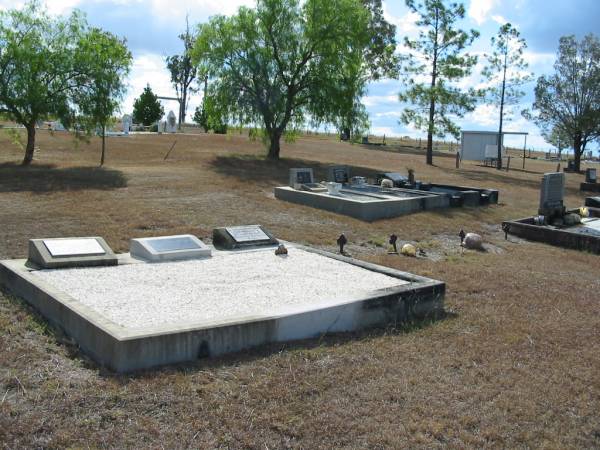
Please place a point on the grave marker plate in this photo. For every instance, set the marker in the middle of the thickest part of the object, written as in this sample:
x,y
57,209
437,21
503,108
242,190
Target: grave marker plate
x,y
229,238
73,247
173,244
248,233
552,194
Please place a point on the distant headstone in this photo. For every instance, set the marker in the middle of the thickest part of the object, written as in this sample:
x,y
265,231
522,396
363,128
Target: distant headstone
x,y
70,252
126,124
590,175
168,248
160,126
242,236
552,194
171,123
301,176
338,174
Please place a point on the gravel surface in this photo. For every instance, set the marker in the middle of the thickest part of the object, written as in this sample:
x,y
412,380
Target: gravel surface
x,y
227,285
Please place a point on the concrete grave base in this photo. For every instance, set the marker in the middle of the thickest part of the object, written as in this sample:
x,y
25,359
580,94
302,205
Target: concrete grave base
x,y
364,205
126,348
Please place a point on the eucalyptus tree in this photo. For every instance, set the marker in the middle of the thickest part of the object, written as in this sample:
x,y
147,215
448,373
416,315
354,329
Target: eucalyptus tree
x,y
286,62
506,72
100,99
434,63
569,99
183,73
46,66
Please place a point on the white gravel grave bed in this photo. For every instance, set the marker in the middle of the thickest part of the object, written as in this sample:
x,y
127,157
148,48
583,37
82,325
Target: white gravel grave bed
x,y
226,286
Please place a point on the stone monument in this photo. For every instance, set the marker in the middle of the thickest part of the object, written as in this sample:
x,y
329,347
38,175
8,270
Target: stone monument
x,y
171,123
126,124
552,194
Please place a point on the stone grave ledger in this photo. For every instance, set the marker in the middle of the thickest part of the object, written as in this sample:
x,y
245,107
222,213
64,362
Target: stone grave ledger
x,y
70,252
552,194
168,248
242,236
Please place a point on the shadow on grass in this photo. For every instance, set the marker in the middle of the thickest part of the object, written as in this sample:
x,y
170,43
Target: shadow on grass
x,y
48,178
258,168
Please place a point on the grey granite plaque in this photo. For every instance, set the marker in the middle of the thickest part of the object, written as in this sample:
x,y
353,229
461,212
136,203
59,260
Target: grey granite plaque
x,y
73,247
173,244
552,194
247,233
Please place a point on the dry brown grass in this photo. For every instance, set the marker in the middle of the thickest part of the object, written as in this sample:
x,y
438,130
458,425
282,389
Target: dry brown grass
x,y
515,365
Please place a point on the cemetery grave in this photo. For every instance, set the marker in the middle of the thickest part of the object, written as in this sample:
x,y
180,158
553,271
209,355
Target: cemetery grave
x,y
197,302
354,197
555,224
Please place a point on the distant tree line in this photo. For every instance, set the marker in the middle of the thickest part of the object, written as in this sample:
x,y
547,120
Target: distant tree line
x,y
284,64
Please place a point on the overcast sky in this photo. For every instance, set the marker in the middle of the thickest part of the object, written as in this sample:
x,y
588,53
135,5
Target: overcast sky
x,y
151,28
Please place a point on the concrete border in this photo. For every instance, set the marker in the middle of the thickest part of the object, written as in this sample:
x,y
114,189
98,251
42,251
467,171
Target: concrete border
x,y
526,229
365,210
124,349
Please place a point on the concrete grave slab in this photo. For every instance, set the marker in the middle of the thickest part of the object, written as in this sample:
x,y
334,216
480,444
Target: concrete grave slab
x,y
136,316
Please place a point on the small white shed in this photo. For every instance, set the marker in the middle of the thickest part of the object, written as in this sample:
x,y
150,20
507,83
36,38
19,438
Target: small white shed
x,y
478,145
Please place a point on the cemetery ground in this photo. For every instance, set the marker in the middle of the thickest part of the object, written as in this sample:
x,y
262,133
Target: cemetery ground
x,y
515,362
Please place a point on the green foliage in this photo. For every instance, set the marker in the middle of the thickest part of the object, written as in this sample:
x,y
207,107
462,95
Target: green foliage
x,y
147,108
49,66
283,62
569,100
438,51
200,117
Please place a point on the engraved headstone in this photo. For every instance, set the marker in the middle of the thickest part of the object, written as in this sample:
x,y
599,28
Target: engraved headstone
x,y
168,248
590,175
299,177
171,126
552,194
338,174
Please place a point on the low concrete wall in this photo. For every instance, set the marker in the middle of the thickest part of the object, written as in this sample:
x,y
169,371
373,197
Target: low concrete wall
x,y
125,350
526,229
364,210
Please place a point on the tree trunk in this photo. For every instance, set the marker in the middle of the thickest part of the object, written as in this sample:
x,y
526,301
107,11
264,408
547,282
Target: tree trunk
x,y
30,144
577,152
103,145
274,147
500,137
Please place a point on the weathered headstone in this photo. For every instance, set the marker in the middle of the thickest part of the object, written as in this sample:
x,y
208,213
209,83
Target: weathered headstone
x,y
242,236
552,194
338,174
126,123
168,248
171,123
160,126
590,175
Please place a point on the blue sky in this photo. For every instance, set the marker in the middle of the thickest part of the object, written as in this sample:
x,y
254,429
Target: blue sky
x,y
151,28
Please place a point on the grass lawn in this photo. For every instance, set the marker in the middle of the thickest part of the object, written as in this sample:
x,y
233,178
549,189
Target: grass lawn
x,y
516,362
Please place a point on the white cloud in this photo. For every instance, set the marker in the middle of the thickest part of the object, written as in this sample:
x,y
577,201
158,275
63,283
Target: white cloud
x,y
378,100
405,24
479,10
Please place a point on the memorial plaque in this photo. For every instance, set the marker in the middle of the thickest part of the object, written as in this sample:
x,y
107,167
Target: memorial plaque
x,y
229,238
173,244
338,174
73,247
301,176
248,233
168,248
